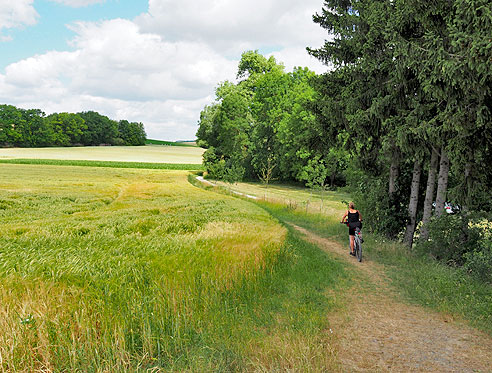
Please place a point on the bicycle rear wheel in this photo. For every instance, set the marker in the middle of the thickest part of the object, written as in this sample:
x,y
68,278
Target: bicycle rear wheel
x,y
358,250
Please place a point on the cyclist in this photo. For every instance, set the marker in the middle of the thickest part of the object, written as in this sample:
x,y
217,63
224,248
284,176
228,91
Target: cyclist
x,y
354,220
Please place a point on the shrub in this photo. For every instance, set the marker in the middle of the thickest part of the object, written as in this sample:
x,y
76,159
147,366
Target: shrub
x,y
213,164
463,240
479,261
381,214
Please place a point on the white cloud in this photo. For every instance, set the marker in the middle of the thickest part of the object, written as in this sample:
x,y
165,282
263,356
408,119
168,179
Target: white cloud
x,y
161,68
298,57
123,73
234,26
77,3
16,14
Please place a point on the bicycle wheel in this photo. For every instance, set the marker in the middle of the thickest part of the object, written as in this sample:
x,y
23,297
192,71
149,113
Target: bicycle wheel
x,y
358,250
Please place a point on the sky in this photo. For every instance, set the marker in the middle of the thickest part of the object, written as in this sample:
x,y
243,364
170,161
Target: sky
x,y
152,61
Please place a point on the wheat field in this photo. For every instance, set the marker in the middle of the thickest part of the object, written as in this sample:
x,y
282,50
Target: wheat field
x,y
120,269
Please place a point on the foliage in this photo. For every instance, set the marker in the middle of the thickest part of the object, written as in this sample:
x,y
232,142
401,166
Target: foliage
x,y
213,165
31,128
100,129
479,261
131,133
404,82
170,143
463,240
264,125
450,238
382,214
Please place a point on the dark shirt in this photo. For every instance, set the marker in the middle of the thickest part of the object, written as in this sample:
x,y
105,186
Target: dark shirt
x,y
353,217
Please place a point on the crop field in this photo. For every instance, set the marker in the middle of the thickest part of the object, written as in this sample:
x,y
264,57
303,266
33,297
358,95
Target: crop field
x,y
107,269
148,153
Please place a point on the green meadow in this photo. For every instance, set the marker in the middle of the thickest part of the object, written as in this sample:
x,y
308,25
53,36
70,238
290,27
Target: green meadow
x,y
112,269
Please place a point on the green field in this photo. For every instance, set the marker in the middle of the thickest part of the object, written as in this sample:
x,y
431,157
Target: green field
x,y
147,154
106,268
118,269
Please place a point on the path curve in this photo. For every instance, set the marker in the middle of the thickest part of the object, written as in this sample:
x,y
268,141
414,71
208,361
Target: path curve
x,y
381,333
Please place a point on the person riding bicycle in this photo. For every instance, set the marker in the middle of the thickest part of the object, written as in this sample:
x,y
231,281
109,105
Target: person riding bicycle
x,y
354,220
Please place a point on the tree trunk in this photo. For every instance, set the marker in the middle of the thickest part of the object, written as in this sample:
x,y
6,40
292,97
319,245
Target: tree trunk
x,y
429,195
442,183
413,203
393,174
332,179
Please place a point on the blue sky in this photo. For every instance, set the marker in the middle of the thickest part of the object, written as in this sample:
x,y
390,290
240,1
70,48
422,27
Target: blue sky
x,y
51,31
151,61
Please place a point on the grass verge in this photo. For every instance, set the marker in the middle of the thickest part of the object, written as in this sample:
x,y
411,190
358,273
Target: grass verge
x,y
108,164
278,322
422,280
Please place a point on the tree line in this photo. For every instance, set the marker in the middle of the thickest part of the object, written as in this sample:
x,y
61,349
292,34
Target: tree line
x,y
403,117
33,128
263,127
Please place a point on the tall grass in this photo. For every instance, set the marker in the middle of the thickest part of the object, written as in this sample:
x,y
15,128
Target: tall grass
x,y
117,267
131,269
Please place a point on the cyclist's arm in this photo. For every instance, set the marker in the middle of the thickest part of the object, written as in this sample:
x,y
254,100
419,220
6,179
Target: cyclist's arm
x,y
360,216
344,216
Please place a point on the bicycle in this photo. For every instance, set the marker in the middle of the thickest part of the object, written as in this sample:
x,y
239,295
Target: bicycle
x,y
357,242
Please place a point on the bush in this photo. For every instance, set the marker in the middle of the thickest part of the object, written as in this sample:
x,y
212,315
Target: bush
x,y
213,164
479,261
462,240
381,214
450,238
118,141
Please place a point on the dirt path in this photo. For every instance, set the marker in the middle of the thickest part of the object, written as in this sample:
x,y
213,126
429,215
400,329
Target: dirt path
x,y
383,334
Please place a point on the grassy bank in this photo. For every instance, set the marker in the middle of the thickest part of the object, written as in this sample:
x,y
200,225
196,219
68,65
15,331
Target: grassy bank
x,y
133,269
422,280
108,164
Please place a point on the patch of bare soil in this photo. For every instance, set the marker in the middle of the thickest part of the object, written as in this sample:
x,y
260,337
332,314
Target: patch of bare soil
x,y
378,332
